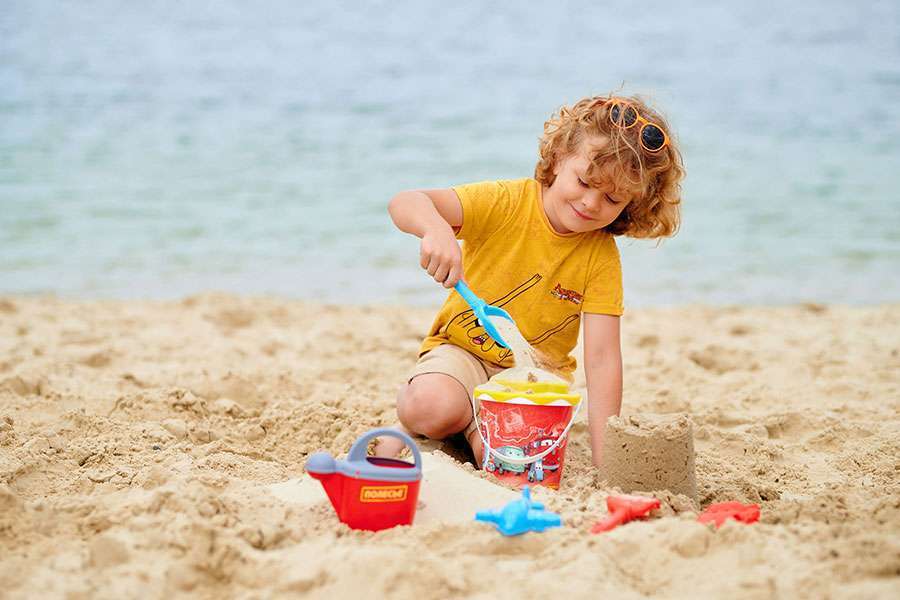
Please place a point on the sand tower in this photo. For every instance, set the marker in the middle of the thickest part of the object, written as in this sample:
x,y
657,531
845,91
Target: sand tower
x,y
650,452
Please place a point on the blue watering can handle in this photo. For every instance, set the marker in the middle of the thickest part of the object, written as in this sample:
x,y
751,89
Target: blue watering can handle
x,y
468,295
358,450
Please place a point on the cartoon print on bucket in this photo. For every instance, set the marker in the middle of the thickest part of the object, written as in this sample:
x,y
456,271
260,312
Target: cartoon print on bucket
x,y
524,424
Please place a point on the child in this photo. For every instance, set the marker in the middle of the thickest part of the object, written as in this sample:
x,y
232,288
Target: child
x,y
544,250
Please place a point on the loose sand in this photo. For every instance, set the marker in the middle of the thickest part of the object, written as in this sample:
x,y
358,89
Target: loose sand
x,y
151,448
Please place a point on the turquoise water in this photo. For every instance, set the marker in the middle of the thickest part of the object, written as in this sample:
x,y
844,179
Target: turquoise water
x,y
158,149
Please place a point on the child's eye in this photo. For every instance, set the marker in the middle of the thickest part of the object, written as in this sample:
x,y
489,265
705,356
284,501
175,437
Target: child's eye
x,y
611,199
582,182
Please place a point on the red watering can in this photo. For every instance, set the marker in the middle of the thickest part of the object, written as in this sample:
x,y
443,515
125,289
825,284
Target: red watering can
x,y
368,492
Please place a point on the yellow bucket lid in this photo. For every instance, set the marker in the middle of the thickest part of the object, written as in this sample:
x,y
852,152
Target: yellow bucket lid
x,y
522,396
537,387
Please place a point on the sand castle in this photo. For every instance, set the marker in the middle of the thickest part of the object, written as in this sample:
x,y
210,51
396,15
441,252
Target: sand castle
x,y
646,452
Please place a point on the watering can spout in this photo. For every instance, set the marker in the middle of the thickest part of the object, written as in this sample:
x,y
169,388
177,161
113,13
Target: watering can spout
x,y
323,467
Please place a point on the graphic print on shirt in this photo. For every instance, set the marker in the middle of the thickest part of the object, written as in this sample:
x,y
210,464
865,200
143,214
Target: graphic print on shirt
x,y
568,295
466,326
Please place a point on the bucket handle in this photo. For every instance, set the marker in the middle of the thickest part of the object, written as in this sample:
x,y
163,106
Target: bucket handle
x,y
359,449
514,460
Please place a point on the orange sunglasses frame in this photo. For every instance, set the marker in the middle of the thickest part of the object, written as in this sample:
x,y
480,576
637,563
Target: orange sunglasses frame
x,y
623,106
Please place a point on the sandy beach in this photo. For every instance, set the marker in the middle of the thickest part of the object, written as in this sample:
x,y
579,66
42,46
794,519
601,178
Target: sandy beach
x,y
157,448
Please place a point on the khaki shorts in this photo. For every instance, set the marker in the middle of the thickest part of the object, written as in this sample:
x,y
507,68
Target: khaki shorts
x,y
466,368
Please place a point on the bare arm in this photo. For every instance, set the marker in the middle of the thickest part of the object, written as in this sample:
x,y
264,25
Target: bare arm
x,y
432,215
603,370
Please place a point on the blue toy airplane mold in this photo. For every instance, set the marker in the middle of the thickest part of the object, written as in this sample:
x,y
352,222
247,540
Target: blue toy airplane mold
x,y
520,516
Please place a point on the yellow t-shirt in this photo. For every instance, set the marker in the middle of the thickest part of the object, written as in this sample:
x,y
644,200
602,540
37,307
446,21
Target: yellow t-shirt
x,y
514,259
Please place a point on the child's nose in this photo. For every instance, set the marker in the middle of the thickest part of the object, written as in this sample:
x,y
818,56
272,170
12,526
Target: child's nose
x,y
594,199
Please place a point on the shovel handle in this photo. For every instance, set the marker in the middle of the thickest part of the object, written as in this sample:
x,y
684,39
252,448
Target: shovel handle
x,y
468,295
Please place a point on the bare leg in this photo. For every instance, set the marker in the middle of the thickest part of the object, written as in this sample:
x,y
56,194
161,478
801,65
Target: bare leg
x,y
434,405
477,447
390,447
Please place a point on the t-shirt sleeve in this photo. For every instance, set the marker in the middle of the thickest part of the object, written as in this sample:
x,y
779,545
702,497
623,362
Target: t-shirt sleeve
x,y
603,293
485,206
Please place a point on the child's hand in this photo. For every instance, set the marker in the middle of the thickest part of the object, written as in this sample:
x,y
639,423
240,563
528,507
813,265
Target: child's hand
x,y
441,256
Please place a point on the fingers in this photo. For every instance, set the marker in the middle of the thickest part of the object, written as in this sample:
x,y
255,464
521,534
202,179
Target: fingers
x,y
444,264
433,265
453,276
441,274
445,271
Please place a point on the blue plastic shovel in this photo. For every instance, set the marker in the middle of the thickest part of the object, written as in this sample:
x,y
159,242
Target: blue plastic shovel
x,y
483,311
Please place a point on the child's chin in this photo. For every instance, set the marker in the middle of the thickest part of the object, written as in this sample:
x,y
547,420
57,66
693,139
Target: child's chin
x,y
581,227
592,226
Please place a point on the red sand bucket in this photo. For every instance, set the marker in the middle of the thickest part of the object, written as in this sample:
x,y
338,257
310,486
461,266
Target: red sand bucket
x,y
368,492
524,427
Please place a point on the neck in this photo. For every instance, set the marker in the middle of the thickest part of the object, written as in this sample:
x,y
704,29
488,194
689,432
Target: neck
x,y
547,206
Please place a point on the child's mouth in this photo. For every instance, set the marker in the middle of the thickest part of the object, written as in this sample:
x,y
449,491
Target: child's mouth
x,y
582,215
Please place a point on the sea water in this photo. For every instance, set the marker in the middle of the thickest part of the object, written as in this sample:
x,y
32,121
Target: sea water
x,y
156,149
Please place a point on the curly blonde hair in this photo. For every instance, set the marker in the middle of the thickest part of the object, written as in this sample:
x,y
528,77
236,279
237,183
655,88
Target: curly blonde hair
x,y
652,180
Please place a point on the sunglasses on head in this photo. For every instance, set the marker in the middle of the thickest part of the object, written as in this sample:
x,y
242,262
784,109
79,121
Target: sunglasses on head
x,y
624,115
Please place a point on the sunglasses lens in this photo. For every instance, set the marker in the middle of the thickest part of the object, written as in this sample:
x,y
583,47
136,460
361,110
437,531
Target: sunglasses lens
x,y
652,138
623,118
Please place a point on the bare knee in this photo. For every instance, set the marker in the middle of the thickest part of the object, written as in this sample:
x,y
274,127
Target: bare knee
x,y
434,407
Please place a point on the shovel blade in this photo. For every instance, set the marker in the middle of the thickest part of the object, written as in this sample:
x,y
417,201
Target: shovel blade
x,y
487,318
